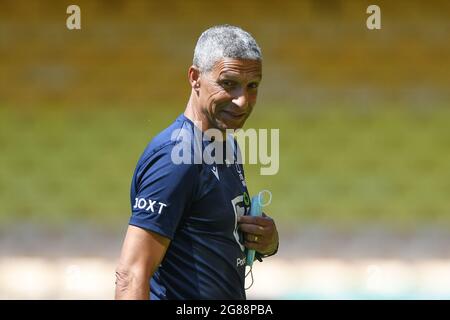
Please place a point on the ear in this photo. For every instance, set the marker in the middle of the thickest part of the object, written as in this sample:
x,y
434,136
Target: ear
x,y
194,78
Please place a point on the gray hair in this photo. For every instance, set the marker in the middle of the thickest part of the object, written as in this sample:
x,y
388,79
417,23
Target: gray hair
x,y
224,41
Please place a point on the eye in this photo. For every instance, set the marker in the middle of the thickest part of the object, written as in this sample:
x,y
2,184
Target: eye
x,y
228,83
253,85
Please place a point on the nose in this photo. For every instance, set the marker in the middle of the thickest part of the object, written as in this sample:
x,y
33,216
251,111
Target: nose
x,y
241,99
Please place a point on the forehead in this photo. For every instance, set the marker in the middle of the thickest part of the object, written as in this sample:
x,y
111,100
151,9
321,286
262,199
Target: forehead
x,y
228,67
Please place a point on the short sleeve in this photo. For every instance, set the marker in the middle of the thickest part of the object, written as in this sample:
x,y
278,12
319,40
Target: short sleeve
x,y
161,192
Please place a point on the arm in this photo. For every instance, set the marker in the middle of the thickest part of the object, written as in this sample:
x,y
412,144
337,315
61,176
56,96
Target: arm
x,y
142,253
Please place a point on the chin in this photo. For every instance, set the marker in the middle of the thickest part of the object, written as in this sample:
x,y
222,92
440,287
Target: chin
x,y
222,125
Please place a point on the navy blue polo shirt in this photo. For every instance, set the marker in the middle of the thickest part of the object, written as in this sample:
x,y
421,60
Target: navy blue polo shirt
x,y
195,205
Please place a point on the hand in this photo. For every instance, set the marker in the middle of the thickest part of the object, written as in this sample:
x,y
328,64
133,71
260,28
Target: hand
x,y
260,233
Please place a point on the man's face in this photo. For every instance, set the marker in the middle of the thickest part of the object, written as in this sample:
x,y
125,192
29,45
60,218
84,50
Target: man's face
x,y
228,92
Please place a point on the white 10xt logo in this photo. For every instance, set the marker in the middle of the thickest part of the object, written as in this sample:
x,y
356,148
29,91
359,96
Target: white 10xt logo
x,y
374,20
141,203
74,20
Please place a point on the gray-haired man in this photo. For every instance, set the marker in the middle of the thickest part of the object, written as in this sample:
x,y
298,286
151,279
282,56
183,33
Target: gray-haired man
x,y
189,225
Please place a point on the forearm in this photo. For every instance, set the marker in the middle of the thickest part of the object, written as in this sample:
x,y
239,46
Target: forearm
x,y
131,286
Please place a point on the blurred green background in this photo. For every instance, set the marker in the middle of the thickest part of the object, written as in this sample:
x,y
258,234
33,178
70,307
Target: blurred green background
x,y
363,115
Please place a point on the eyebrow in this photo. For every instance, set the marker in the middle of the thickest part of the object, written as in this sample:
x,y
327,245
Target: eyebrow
x,y
235,75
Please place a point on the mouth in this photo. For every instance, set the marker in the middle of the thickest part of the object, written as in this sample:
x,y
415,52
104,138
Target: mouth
x,y
234,115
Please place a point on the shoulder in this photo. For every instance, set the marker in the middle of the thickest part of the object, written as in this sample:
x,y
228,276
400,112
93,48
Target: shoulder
x,y
158,154
169,137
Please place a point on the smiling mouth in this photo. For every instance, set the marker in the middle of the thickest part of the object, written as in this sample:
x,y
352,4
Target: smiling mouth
x,y
234,115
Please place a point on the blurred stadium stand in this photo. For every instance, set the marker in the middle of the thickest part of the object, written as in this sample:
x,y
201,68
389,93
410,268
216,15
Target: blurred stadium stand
x,y
137,52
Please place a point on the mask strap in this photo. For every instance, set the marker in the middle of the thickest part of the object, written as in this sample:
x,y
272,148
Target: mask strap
x,y
251,274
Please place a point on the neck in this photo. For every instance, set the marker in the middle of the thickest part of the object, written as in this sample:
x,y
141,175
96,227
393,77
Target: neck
x,y
193,113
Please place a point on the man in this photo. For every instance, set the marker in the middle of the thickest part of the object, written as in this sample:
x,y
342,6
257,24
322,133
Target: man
x,y
187,232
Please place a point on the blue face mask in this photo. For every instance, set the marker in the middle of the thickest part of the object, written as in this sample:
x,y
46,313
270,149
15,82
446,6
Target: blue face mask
x,y
257,204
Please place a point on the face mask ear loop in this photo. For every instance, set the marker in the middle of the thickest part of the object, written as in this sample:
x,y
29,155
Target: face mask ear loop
x,y
251,275
261,198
